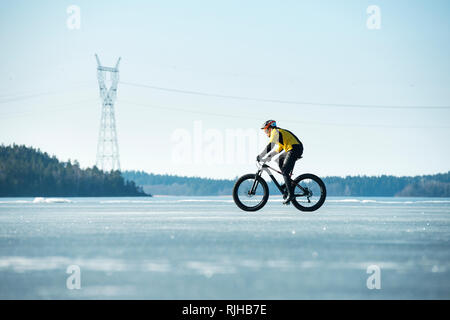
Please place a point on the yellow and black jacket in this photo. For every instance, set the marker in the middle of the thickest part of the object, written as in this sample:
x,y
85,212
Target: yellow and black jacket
x,y
283,139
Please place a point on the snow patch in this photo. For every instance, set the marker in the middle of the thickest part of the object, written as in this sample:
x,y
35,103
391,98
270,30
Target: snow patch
x,y
51,200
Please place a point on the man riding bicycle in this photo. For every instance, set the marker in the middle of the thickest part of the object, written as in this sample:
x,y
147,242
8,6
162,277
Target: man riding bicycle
x,y
287,141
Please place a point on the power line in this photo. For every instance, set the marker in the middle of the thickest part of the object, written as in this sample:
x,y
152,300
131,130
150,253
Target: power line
x,y
13,97
48,108
338,105
283,120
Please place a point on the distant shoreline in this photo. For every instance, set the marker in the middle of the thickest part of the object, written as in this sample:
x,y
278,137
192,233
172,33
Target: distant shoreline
x,y
437,185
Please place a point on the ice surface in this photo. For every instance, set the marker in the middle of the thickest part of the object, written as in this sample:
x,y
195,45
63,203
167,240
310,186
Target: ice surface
x,y
207,248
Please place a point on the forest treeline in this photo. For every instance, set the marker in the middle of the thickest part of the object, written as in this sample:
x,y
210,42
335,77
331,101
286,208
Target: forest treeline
x,y
437,185
28,172
180,186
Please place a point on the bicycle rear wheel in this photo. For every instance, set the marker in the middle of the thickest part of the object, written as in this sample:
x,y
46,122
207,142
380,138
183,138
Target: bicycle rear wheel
x,y
250,192
309,191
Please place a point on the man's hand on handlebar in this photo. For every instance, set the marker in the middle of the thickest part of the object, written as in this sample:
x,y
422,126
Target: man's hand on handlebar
x,y
261,160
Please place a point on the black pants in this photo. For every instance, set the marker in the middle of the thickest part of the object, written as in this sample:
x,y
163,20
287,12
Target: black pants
x,y
287,160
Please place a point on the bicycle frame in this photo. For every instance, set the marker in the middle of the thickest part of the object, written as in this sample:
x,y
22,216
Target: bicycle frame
x,y
266,168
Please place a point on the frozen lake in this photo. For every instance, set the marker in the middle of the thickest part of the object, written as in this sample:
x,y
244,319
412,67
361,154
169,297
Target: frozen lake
x,y
207,248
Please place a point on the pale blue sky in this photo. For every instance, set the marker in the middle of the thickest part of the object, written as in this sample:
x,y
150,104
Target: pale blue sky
x,y
310,51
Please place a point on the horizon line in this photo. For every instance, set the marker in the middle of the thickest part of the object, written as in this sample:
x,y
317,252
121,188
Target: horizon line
x,y
325,176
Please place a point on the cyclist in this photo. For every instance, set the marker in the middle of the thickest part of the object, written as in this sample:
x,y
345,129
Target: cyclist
x,y
284,140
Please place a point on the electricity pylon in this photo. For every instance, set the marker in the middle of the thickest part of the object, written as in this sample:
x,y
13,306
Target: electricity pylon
x,y
107,147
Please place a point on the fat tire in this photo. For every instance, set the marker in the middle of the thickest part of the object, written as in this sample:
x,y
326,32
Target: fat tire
x,y
236,196
322,196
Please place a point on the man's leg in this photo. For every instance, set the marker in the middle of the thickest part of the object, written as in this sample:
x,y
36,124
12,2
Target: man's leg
x,y
287,168
281,159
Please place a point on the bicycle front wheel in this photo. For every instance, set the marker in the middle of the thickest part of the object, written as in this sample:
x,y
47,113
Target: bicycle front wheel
x,y
309,191
250,192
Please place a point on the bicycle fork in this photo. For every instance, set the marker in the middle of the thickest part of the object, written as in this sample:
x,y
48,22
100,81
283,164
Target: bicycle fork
x,y
255,184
